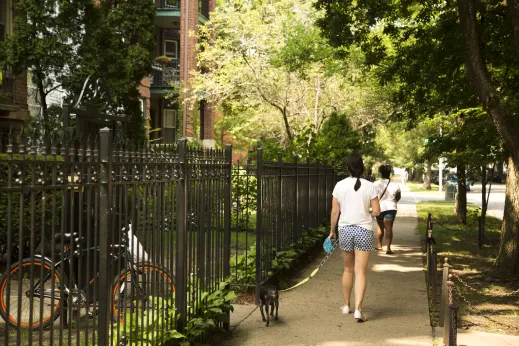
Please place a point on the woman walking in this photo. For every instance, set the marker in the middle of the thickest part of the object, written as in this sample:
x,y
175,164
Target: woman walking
x,y
389,195
353,198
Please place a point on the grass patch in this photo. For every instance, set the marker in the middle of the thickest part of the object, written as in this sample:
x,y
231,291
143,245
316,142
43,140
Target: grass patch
x,y
413,187
242,240
460,244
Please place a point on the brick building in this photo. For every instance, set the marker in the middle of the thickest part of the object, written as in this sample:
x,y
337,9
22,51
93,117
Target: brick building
x,y
13,88
176,25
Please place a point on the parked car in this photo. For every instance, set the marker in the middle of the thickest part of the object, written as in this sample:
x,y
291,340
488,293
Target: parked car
x,y
452,178
435,176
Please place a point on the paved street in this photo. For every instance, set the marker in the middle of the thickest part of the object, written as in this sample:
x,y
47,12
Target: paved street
x,y
496,202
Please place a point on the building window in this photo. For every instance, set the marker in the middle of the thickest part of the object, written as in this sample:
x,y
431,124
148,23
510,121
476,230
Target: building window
x,y
169,125
4,18
143,107
203,8
171,49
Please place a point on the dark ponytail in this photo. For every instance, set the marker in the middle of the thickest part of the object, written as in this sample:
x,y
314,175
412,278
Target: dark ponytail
x,y
356,168
385,171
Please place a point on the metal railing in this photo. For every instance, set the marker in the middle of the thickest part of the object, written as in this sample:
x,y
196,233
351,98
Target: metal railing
x,y
274,204
7,87
448,308
167,4
103,239
165,74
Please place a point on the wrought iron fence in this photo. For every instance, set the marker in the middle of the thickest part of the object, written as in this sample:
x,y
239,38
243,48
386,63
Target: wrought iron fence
x,y
168,4
274,204
7,86
165,74
101,240
292,198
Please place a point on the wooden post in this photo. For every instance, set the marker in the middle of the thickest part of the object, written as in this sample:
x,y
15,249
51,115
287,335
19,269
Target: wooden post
x,y
444,295
449,335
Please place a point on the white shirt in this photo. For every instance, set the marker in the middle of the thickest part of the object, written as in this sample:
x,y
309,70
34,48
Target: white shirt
x,y
388,201
355,204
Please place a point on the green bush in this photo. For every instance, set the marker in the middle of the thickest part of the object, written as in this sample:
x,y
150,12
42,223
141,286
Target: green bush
x,y
243,267
244,193
210,309
207,309
145,327
37,204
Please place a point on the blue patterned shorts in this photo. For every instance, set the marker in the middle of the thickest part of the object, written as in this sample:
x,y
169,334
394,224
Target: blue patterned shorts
x,y
355,238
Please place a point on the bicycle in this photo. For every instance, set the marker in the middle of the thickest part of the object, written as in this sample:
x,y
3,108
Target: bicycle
x,y
40,278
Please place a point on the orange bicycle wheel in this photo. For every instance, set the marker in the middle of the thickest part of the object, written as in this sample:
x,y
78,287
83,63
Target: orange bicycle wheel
x,y
149,293
26,300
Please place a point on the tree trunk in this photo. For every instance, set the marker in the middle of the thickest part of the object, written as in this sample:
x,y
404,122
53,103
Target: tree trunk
x,y
500,172
461,196
287,125
43,102
417,175
483,198
507,262
427,182
506,125
317,83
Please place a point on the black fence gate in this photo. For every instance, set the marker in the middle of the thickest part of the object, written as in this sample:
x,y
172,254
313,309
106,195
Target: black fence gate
x,y
104,240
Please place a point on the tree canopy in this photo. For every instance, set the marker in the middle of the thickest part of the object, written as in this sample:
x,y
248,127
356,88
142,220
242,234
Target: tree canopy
x,y
268,68
443,56
64,43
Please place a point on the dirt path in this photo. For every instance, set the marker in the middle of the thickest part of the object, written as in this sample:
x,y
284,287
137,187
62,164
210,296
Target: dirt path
x,y
395,303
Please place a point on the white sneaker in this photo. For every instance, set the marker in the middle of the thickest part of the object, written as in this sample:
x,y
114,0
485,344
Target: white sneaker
x,y
345,309
359,316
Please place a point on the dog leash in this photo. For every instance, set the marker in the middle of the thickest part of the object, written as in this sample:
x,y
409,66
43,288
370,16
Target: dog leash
x,y
315,271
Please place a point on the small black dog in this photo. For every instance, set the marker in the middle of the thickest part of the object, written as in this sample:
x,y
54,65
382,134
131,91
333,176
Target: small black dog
x,y
269,296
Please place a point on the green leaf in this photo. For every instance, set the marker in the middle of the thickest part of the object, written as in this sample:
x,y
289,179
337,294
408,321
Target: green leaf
x,y
173,334
231,296
216,310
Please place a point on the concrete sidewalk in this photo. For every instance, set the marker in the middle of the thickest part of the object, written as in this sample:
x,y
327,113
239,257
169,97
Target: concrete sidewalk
x,y
395,303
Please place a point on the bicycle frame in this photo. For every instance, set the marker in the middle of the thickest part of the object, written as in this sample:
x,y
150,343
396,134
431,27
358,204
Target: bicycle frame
x,y
67,258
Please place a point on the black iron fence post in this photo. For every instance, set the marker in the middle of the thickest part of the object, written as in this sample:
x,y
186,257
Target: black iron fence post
x,y
296,201
181,255
326,169
280,203
308,197
318,191
259,216
227,211
105,206
431,265
227,222
429,224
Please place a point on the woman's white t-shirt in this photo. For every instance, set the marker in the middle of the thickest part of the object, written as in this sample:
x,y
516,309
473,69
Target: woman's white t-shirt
x,y
388,201
355,204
